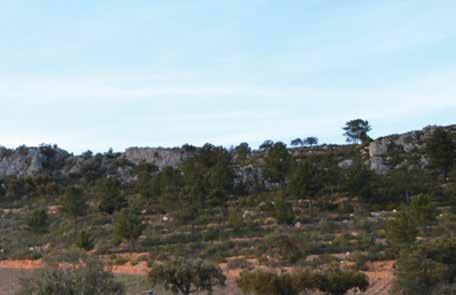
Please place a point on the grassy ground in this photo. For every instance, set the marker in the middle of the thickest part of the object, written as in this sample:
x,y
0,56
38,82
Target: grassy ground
x,y
9,280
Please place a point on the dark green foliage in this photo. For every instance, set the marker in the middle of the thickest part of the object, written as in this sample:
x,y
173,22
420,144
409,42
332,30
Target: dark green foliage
x,y
297,142
282,248
310,141
441,150
38,221
333,282
168,185
145,185
128,226
208,177
305,180
266,145
187,276
357,131
278,162
338,282
451,193
74,203
110,196
359,181
426,267
283,211
422,210
87,279
84,240
402,230
265,283
242,151
401,184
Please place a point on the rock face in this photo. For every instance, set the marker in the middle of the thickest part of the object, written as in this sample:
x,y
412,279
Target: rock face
x,y
383,155
392,152
50,160
25,161
161,157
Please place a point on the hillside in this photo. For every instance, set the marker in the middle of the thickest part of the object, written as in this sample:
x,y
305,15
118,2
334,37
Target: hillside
x,y
276,209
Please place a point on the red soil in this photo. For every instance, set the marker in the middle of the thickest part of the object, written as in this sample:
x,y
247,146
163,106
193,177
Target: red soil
x,y
140,268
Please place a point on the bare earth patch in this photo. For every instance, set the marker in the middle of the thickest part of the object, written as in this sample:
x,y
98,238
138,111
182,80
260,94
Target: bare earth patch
x,y
381,276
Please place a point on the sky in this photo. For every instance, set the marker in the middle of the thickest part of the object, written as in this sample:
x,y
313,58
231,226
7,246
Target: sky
x,y
102,74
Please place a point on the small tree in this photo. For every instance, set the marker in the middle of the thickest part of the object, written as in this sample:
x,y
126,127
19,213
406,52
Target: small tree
x,y
128,226
417,273
311,141
359,180
74,203
278,162
145,184
110,195
84,240
283,211
266,145
283,248
422,210
305,181
442,151
38,221
402,230
242,151
357,131
185,277
297,142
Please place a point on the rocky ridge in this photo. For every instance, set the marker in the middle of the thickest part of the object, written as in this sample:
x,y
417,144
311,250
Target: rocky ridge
x,y
383,155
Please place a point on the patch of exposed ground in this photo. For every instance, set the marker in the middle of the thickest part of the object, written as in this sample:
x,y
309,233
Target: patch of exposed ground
x,y
381,276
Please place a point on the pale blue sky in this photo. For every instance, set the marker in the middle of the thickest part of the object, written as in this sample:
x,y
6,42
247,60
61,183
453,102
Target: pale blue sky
x,y
99,74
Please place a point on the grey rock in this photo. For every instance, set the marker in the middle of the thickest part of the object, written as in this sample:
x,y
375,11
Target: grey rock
x,y
345,164
161,157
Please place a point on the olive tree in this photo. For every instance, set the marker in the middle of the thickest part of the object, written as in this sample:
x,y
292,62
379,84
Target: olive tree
x,y
182,276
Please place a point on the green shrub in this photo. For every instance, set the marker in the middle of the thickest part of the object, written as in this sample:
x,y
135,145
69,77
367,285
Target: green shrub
x,y
38,221
87,279
265,283
187,276
84,240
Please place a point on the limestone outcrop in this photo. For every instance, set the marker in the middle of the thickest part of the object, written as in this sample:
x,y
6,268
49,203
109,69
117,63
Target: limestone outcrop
x,y
394,151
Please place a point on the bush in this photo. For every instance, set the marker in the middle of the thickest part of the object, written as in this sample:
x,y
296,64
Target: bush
x,y
84,240
38,221
265,283
426,267
339,282
88,279
74,203
402,230
187,276
422,209
333,282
